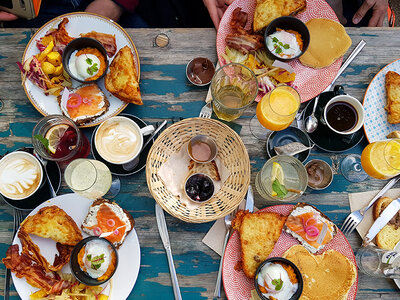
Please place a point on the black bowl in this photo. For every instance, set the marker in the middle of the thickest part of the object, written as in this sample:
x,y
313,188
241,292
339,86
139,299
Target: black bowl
x,y
287,23
76,270
287,262
80,43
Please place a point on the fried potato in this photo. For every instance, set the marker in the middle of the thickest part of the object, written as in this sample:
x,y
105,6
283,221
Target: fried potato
x,y
122,80
54,223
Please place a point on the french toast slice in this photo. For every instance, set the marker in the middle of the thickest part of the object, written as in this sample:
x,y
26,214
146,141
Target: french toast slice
x,y
54,223
259,233
392,86
122,80
389,236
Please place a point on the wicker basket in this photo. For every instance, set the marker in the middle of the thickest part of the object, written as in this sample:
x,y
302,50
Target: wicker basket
x,y
231,152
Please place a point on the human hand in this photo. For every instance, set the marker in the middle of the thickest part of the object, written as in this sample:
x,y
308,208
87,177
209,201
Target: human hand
x,y
379,10
5,16
106,8
216,9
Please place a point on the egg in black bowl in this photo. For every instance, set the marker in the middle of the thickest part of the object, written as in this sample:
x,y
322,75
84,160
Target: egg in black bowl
x,y
94,261
286,38
85,60
279,278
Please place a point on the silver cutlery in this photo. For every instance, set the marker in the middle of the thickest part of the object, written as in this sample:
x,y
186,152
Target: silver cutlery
x,y
355,218
382,220
206,111
18,218
44,164
311,122
162,228
132,164
228,225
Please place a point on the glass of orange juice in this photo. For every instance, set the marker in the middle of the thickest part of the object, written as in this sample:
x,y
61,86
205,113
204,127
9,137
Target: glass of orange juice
x,y
275,111
381,159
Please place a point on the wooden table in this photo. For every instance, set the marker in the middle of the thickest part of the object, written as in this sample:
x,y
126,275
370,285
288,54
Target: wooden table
x,y
166,94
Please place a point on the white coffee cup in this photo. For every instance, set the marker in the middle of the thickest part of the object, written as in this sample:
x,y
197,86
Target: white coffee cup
x,y
337,121
21,175
119,139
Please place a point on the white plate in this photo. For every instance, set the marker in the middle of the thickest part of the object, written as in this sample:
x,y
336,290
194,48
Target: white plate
x,y
129,254
80,22
397,248
376,126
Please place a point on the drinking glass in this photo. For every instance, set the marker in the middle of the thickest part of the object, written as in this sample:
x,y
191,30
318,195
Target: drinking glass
x,y
275,111
294,178
234,87
381,159
351,168
57,138
91,179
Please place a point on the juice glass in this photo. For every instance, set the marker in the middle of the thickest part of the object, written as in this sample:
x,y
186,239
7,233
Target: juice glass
x,y
277,109
57,138
234,87
89,178
381,159
288,171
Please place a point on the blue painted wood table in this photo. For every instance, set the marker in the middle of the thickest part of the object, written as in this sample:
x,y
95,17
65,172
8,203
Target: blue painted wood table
x,y
167,94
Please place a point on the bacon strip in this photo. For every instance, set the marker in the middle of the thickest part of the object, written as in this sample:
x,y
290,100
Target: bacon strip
x,y
60,36
107,40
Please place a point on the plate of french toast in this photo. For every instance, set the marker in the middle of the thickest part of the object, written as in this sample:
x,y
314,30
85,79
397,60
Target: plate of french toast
x,y
90,83
382,104
299,233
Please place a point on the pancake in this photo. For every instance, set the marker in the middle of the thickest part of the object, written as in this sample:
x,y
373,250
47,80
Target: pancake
x,y
328,41
329,275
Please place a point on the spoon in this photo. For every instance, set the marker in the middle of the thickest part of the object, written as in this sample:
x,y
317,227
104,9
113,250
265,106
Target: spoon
x,y
129,166
311,122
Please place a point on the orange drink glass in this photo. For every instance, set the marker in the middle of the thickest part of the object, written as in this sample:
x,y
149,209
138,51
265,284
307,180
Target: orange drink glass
x,y
277,109
381,159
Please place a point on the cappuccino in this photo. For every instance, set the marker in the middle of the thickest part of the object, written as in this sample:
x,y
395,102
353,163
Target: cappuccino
x,y
20,175
118,140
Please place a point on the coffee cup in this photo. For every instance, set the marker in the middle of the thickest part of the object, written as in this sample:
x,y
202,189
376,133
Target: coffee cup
x,y
21,175
343,114
119,139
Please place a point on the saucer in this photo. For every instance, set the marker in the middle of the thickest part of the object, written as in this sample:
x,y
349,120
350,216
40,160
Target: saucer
x,y
43,193
286,136
118,169
323,137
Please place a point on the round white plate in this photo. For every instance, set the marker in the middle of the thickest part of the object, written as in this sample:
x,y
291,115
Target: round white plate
x,y
397,248
129,253
78,23
376,126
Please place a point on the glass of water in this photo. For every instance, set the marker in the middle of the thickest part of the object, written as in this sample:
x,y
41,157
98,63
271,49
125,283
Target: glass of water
x,y
91,179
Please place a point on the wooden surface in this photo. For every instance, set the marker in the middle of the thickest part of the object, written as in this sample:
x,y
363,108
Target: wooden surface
x,y
166,94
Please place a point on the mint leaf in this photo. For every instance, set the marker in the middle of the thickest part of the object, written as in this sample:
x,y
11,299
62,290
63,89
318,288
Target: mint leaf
x,y
91,70
286,46
44,141
279,189
275,40
278,50
278,283
89,61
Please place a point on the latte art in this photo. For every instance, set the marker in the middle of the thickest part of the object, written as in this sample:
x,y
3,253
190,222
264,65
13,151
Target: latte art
x,y
118,141
20,176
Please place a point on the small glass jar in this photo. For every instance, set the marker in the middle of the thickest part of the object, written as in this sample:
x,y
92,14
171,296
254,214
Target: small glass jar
x,y
378,262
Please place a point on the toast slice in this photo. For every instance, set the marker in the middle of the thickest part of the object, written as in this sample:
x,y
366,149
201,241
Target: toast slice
x,y
392,86
394,135
259,233
105,216
54,223
389,236
268,10
122,80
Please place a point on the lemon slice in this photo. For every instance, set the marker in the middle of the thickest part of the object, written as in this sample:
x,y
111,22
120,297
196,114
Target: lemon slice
x,y
277,173
54,134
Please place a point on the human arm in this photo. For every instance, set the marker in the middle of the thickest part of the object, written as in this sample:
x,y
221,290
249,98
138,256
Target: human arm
x,y
379,10
111,9
5,16
216,9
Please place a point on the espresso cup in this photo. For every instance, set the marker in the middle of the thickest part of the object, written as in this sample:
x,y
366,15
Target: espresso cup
x,y
119,139
343,114
21,175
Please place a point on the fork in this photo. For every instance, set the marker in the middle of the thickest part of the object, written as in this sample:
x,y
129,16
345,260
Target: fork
x,y
355,218
228,225
206,111
18,217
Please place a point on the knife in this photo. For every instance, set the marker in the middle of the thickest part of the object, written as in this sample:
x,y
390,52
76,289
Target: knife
x,y
250,199
162,228
382,220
